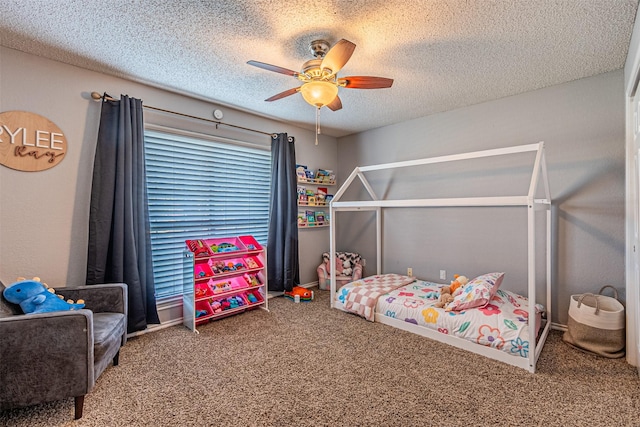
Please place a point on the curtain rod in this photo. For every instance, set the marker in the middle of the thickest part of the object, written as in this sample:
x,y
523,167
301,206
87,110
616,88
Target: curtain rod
x,y
97,96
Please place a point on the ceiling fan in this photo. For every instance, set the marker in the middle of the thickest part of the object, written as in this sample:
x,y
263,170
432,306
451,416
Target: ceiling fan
x,y
319,78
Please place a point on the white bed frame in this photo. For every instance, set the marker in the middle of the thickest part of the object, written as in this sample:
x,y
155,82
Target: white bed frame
x,y
527,201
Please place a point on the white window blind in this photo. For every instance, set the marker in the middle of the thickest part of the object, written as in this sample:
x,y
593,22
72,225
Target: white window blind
x,y
200,188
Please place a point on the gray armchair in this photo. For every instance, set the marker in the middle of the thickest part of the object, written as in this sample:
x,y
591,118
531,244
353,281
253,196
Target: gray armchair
x,y
56,355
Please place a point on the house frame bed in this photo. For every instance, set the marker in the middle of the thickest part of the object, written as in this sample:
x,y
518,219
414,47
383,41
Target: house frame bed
x,y
529,203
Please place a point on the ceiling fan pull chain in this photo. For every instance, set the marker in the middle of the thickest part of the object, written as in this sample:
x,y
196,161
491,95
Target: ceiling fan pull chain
x,y
317,124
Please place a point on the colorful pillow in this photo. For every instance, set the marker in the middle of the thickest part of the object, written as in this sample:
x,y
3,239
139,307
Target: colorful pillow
x,y
339,266
477,293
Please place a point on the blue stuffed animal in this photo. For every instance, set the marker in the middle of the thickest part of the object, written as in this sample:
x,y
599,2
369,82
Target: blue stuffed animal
x,y
33,297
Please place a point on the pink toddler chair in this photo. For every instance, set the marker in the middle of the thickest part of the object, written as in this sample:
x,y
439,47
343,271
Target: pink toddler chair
x,y
348,269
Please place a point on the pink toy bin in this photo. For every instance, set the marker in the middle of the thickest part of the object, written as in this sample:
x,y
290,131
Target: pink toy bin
x,y
250,243
216,245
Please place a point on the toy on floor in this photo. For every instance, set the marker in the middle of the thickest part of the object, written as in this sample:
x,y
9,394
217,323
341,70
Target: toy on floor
x,y
449,292
302,294
35,297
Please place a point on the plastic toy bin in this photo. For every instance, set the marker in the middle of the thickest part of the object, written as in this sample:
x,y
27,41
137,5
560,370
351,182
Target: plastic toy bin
x,y
253,263
226,266
250,243
203,290
226,245
219,286
203,309
232,302
227,285
238,283
256,293
202,270
252,280
198,247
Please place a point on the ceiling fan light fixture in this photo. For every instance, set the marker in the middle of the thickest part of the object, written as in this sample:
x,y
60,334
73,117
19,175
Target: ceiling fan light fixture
x,y
319,78
319,93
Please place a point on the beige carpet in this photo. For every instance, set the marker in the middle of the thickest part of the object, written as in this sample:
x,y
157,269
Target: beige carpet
x,y
307,365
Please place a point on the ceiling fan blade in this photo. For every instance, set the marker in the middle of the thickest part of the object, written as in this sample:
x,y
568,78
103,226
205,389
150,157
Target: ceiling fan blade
x,y
336,104
337,56
365,82
283,94
275,68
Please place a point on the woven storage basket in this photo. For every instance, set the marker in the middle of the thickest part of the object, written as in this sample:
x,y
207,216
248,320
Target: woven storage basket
x,y
596,324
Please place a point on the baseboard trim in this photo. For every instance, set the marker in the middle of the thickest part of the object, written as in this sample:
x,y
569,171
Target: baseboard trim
x,y
156,327
174,302
310,284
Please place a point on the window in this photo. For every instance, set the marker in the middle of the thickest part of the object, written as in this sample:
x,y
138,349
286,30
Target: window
x,y
200,187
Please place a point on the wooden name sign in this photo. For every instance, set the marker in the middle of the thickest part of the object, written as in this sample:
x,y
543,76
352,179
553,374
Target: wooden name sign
x,y
30,142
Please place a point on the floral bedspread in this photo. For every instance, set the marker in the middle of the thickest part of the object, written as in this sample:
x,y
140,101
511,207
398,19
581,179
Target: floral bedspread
x,y
502,324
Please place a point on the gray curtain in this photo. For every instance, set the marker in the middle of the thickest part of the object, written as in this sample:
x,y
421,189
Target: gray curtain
x,y
119,241
283,267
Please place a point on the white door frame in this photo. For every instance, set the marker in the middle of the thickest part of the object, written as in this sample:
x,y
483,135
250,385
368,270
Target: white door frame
x,y
632,246
632,195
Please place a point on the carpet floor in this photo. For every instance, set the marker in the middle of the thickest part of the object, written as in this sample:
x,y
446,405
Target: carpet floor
x,y
308,365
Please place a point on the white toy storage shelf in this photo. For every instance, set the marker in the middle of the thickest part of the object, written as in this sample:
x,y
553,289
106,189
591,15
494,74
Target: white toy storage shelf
x,y
223,276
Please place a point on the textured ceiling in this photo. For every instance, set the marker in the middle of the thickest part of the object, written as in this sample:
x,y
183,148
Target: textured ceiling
x,y
442,54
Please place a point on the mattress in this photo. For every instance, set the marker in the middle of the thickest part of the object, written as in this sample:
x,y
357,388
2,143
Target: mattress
x,y
502,324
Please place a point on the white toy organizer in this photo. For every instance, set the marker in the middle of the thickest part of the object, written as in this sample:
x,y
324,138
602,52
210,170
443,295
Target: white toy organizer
x,y
528,201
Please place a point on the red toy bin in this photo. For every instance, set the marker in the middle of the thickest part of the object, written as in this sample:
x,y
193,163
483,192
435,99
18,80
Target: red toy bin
x,y
226,245
216,305
251,280
203,309
224,304
227,266
199,247
250,243
203,290
202,270
253,263
256,293
244,298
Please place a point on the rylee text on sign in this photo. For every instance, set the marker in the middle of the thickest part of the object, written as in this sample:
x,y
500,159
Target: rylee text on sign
x,y
30,142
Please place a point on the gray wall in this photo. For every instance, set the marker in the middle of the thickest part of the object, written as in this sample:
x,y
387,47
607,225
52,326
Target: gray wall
x,y
44,215
582,125
314,241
